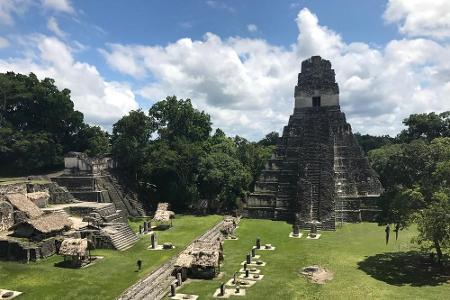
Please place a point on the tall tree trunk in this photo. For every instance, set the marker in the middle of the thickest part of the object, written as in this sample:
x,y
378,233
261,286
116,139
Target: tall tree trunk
x,y
437,246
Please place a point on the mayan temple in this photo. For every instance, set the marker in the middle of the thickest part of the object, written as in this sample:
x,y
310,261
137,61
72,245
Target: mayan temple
x,y
317,173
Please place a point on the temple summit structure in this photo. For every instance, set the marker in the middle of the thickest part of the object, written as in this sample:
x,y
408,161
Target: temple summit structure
x,y
317,174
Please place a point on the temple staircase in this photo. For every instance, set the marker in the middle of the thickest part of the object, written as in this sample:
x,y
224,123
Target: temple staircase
x,y
123,201
122,236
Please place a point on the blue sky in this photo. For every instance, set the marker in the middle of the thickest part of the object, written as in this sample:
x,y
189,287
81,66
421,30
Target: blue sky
x,y
237,60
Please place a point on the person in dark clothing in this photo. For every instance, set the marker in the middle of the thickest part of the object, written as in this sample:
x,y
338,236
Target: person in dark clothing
x,y
397,228
388,231
139,264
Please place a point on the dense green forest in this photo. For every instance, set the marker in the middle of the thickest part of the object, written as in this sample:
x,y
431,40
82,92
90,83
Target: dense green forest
x,y
171,153
38,124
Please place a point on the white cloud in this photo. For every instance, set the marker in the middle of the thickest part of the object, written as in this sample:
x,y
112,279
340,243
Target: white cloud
x,y
420,18
59,5
315,39
9,8
252,28
101,101
247,84
4,43
185,24
220,5
53,26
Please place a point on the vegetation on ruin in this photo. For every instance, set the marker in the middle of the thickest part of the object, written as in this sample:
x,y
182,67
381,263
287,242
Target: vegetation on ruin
x,y
108,277
363,266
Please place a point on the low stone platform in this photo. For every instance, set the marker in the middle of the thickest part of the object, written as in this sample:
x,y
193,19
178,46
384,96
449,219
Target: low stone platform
x,y
248,283
8,294
299,236
184,297
251,277
250,271
313,238
254,264
264,248
229,292
159,248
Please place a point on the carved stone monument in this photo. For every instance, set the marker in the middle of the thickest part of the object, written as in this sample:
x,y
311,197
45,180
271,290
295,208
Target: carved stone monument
x,y
154,241
222,289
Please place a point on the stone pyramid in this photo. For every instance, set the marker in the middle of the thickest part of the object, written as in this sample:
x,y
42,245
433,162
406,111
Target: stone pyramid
x,y
317,173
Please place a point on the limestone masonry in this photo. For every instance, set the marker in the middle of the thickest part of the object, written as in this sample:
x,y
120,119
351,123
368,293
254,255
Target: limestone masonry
x,y
317,173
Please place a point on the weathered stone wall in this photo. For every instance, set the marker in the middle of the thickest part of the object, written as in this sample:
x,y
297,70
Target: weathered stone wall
x,y
39,198
21,250
20,188
58,194
6,215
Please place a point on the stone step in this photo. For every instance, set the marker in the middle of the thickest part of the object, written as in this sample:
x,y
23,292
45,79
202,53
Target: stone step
x,y
124,237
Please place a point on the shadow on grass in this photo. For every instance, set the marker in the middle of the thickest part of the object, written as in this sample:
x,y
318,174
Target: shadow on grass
x,y
67,264
401,268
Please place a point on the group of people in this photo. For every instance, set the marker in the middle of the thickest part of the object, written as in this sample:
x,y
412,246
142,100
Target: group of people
x,y
388,232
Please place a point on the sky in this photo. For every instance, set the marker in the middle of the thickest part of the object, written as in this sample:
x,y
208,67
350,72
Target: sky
x,y
237,60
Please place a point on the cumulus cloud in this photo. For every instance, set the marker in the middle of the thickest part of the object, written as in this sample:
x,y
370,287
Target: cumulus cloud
x,y
59,5
101,101
230,79
220,5
3,42
53,26
420,18
10,8
247,84
252,28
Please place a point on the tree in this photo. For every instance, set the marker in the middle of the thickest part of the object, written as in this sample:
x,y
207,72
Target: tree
x,y
33,105
415,176
223,180
38,124
24,152
369,142
270,139
94,141
253,156
433,224
130,138
428,126
175,118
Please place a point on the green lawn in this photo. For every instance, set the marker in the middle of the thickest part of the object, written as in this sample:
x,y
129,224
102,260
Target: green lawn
x,y
363,266
108,277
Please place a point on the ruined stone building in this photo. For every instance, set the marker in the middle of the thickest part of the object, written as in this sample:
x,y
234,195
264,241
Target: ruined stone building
x,y
318,172
91,179
36,217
